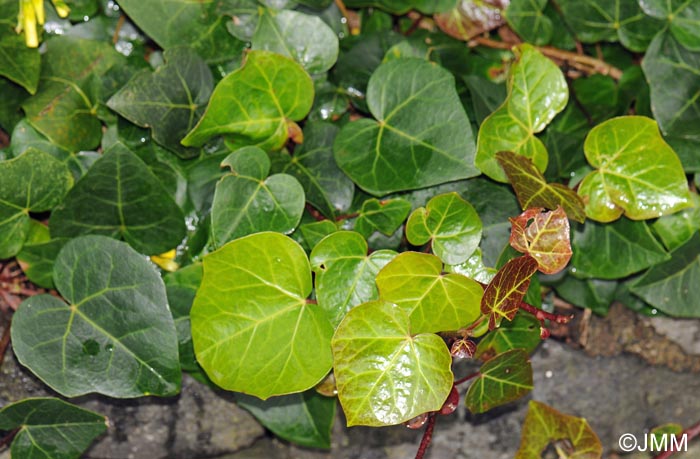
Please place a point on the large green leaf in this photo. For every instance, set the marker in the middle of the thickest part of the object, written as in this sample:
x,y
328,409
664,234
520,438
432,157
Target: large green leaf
x,y
537,91
400,150
64,108
305,418
50,428
18,62
255,104
674,286
120,197
674,230
345,273
434,301
594,294
305,38
326,187
170,100
248,201
383,216
615,250
637,174
183,22
683,17
676,106
32,182
501,380
385,373
451,225
545,426
115,336
253,329
523,332
610,20
526,17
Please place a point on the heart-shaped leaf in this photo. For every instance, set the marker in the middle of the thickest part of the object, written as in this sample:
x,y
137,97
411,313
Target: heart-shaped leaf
x,y
305,38
50,428
544,236
501,380
615,250
247,201
451,225
255,104
252,327
637,174
474,268
314,232
115,336
37,259
683,19
504,294
32,182
544,426
533,190
170,100
385,373
18,62
523,332
397,152
537,91
326,187
345,273
384,216
120,197
434,301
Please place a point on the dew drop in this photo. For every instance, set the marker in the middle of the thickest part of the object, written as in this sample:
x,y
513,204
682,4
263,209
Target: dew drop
x,y
109,347
91,347
548,374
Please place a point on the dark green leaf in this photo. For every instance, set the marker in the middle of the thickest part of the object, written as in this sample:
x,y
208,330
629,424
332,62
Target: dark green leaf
x,y
120,197
37,260
523,332
18,62
398,152
528,20
115,336
595,294
50,428
683,17
383,216
248,201
170,100
181,287
674,230
403,6
501,380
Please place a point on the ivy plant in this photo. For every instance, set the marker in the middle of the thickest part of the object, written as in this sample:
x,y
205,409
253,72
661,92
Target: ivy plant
x,y
310,202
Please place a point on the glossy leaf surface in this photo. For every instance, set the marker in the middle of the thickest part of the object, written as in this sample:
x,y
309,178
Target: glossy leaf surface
x,y
544,236
385,373
523,332
527,19
501,380
683,18
384,216
503,295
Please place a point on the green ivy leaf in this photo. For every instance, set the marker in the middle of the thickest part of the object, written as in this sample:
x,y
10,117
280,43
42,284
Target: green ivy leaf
x,y
50,428
383,216
385,373
532,189
279,90
451,225
345,273
676,229
505,292
326,187
181,287
676,107
18,62
397,152
305,418
523,332
474,268
544,236
638,173
115,336
37,260
120,197
64,109
314,232
170,100
434,301
544,426
672,286
252,327
305,38
537,91
594,294
527,19
501,380
610,20
248,201
615,250
32,182
182,22
683,17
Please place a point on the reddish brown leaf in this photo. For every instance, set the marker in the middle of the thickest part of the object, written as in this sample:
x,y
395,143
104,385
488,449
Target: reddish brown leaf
x,y
532,189
463,349
544,236
504,294
472,17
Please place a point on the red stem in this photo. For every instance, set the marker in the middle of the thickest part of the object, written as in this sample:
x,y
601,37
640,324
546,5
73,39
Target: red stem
x,y
466,378
340,218
8,438
427,436
692,432
544,315
314,213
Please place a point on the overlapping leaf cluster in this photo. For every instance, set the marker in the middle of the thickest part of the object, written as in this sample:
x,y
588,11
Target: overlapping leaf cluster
x,y
286,199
